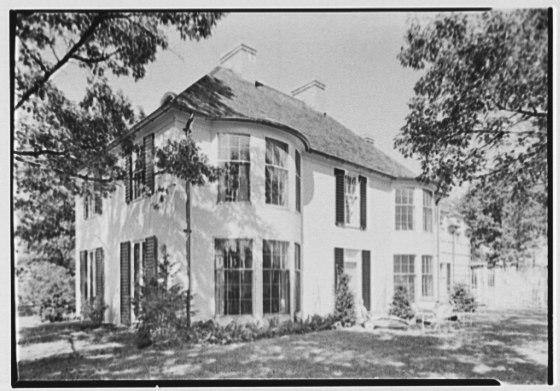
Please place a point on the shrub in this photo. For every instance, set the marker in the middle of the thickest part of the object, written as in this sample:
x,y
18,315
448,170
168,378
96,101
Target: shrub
x,y
344,310
160,307
400,306
48,287
462,299
93,309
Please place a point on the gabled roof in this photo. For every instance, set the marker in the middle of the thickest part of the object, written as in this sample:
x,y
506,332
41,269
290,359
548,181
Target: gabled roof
x,y
223,94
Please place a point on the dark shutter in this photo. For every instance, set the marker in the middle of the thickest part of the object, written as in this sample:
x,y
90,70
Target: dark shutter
x,y
339,194
298,181
149,162
338,264
85,198
83,274
99,273
151,258
98,199
128,178
125,283
366,278
363,202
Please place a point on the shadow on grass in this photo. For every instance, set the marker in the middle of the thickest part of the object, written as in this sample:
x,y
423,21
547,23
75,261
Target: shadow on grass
x,y
58,331
489,350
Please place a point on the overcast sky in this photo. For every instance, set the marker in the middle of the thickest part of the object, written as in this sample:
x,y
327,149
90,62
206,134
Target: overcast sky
x,y
354,54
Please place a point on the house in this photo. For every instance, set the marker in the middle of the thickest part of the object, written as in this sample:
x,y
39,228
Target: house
x,y
302,196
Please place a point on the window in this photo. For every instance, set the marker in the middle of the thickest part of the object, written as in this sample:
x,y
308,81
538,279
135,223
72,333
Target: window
x,y
474,279
427,276
403,274
297,255
428,217
89,275
92,202
234,276
234,158
138,172
491,278
276,172
351,202
138,266
404,212
276,278
298,181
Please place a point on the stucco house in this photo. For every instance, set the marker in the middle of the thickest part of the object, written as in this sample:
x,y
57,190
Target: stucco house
x,y
301,196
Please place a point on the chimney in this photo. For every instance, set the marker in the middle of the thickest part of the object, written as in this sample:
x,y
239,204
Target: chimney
x,y
312,94
368,139
242,60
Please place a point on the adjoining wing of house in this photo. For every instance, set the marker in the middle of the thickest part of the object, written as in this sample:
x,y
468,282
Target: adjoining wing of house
x,y
301,196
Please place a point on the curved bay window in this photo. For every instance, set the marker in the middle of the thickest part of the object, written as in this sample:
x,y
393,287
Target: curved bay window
x,y
234,158
234,276
276,172
276,278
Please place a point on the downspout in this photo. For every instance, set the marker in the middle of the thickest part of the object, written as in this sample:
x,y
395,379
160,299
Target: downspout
x,y
188,249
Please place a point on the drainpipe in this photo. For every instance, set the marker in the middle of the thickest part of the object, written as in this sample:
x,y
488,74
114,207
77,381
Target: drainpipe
x,y
188,249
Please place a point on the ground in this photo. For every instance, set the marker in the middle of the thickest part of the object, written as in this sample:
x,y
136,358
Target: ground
x,y
508,346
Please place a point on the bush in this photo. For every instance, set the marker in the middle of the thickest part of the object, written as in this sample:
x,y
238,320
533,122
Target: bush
x,y
48,287
462,299
344,310
160,307
93,309
400,306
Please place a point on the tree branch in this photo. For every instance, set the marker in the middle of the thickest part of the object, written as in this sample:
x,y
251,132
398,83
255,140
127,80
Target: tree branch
x,y
39,153
522,112
72,175
86,36
95,59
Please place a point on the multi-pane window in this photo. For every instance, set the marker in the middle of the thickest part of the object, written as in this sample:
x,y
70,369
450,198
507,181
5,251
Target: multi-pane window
x,y
234,276
92,202
351,201
276,278
403,274
427,276
404,209
276,172
428,215
297,256
138,267
298,181
234,158
491,278
138,172
474,279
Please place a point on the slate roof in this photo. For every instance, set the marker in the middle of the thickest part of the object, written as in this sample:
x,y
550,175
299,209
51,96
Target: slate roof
x,y
224,94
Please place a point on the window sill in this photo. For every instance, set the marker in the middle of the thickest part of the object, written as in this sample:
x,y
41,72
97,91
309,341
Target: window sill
x,y
353,227
278,207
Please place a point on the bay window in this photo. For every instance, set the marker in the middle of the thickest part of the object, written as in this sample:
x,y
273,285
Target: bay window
x,y
234,276
234,159
276,172
276,278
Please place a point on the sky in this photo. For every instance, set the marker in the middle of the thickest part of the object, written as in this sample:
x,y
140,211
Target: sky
x,y
353,54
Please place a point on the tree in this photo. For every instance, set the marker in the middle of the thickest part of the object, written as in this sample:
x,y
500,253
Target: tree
x,y
501,229
61,145
344,309
480,108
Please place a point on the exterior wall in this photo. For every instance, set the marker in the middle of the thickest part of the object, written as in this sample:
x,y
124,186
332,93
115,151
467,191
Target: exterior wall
x,y
314,228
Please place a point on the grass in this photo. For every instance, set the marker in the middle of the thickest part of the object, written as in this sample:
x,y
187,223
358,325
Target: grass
x,y
510,347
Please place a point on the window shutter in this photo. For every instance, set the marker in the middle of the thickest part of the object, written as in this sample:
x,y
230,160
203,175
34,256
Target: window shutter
x,y
339,194
98,199
366,278
338,264
85,205
125,283
128,178
151,258
99,273
149,162
83,274
363,202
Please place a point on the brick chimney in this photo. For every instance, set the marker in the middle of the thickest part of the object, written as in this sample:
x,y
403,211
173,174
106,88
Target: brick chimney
x,y
312,93
242,60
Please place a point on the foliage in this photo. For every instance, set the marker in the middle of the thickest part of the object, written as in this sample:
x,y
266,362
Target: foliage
x,y
48,287
344,309
161,306
501,229
93,309
55,138
480,108
462,299
400,306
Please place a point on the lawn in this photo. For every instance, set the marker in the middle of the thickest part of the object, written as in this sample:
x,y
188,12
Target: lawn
x,y
508,346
